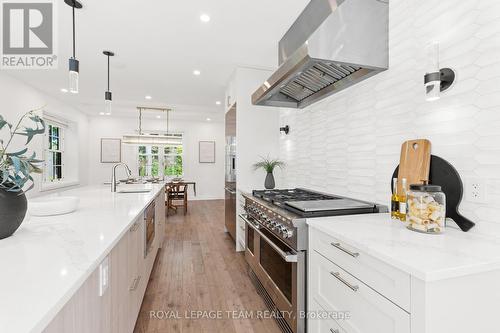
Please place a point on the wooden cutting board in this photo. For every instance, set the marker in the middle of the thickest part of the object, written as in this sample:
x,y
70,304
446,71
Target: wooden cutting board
x,y
414,163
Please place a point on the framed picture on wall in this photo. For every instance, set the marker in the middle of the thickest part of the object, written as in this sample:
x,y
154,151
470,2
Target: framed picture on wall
x,y
207,151
111,150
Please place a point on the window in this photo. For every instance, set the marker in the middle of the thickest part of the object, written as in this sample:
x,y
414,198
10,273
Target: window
x,y
54,153
159,161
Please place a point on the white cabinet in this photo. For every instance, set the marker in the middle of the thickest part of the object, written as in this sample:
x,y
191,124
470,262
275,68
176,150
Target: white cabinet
x,y
119,286
387,280
135,271
379,274
321,321
335,290
160,219
117,310
86,311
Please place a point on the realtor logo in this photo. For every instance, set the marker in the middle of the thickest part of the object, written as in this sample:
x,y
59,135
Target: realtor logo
x,y
28,34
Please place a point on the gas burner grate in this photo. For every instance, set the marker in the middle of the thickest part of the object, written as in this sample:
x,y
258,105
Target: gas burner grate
x,y
279,197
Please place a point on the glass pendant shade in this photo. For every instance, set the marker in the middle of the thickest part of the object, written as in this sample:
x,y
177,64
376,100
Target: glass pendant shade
x,y
73,75
107,107
73,82
433,75
108,98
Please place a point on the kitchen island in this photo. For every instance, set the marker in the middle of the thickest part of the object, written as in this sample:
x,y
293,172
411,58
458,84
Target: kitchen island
x,y
391,279
50,263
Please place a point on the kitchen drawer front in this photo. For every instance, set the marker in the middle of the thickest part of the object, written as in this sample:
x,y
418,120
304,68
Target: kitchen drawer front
x,y
336,290
320,322
385,279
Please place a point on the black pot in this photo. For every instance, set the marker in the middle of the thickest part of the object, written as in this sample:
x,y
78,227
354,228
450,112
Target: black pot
x,y
13,208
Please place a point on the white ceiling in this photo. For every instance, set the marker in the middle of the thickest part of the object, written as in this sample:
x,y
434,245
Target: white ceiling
x,y
158,44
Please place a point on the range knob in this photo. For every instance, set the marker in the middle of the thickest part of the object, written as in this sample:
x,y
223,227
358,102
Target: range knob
x,y
273,225
285,232
278,227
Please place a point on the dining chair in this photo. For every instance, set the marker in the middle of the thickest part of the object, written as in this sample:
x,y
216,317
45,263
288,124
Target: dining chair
x,y
175,193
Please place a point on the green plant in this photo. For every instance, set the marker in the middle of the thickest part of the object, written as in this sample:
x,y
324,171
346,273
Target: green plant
x,y
269,164
15,167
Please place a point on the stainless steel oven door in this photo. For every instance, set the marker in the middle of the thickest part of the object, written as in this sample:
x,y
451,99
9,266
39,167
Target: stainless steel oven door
x,y
281,271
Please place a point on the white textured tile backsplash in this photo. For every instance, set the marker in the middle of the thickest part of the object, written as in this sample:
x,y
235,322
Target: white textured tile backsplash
x,y
349,143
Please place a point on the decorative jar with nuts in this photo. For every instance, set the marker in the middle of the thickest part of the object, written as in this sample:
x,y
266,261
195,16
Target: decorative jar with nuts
x,y
426,209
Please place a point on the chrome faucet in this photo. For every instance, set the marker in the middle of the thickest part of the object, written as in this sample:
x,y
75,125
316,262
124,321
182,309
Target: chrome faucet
x,y
113,175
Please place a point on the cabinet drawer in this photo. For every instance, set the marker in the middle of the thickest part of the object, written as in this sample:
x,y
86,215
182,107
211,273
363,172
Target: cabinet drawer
x,y
319,323
385,279
336,290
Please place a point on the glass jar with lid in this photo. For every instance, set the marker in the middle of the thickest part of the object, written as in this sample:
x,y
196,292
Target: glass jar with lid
x,y
426,209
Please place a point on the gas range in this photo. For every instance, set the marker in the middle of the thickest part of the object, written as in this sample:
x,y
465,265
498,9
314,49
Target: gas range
x,y
283,212
276,244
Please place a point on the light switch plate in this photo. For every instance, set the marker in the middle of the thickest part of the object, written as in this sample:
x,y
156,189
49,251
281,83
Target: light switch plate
x,y
103,276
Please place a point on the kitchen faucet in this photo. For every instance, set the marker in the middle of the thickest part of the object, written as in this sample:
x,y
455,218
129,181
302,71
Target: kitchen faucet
x,y
113,175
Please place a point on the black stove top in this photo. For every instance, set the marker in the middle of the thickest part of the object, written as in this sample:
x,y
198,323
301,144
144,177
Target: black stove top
x,y
313,204
281,196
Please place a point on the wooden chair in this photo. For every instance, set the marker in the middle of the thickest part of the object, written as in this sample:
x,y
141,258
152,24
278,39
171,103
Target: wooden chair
x,y
175,193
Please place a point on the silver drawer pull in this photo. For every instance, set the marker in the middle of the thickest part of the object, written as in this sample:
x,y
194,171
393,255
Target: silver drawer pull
x,y
134,285
334,330
352,254
134,227
338,277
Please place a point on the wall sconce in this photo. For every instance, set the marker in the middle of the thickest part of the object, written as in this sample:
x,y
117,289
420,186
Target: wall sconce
x,y
285,129
436,80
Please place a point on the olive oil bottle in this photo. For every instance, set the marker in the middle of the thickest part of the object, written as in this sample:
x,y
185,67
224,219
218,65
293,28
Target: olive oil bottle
x,y
402,199
394,200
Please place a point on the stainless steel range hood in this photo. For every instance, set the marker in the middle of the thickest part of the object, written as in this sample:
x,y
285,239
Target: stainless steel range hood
x,y
333,44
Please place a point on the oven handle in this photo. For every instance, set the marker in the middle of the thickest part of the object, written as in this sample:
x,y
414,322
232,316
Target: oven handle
x,y
287,256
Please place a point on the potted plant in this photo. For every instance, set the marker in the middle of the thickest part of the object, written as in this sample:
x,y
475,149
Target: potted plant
x,y
268,165
16,169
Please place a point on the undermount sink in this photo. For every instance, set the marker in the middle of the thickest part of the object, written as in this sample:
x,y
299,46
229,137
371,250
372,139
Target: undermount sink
x,y
51,206
144,190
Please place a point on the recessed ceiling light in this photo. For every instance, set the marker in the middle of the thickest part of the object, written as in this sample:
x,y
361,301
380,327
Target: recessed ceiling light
x,y
148,97
196,72
208,119
218,103
158,117
108,113
204,18
101,113
64,90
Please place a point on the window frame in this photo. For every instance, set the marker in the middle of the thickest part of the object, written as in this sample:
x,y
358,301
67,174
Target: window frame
x,y
48,150
161,156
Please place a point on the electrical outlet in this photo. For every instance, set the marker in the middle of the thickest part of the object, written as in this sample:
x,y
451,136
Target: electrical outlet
x,y
476,190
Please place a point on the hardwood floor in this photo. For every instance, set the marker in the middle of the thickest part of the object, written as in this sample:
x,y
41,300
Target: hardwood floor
x,y
198,270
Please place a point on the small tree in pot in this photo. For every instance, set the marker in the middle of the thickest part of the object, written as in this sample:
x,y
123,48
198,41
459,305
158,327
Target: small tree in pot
x,y
16,169
269,165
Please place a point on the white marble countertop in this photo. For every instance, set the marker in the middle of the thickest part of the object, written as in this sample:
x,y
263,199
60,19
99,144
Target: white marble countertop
x,y
47,260
426,257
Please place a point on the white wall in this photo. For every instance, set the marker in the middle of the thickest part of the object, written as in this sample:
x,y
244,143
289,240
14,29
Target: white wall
x,y
17,98
209,178
349,143
257,130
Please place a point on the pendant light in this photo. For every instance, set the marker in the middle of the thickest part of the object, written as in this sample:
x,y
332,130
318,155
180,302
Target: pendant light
x,y
74,64
158,139
107,95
